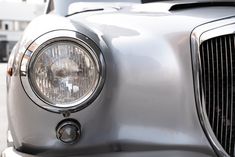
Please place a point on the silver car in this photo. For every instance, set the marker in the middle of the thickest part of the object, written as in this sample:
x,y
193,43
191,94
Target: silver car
x,y
136,78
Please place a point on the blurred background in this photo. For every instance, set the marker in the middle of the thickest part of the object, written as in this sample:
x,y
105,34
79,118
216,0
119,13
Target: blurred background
x,y
15,15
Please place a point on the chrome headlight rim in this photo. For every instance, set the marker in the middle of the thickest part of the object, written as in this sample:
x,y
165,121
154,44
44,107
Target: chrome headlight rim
x,y
56,36
69,41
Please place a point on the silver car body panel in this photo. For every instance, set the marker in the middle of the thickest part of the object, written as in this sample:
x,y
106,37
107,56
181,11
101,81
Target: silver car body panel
x,y
147,105
62,7
11,152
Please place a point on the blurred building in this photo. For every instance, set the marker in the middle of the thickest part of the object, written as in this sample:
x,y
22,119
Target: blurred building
x,y
14,18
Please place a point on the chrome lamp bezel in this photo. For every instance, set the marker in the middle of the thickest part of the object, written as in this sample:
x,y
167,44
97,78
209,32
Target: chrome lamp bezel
x,y
56,36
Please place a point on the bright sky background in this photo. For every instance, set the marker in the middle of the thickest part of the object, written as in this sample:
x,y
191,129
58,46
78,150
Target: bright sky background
x,y
29,1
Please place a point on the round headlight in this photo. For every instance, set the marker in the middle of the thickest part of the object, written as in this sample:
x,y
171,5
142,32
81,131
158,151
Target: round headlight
x,y
64,73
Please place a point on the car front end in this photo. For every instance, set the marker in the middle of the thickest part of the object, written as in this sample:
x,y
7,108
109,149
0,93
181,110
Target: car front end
x,y
124,79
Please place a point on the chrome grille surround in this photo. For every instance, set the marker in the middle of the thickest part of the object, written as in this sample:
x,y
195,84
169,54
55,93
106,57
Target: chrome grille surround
x,y
202,34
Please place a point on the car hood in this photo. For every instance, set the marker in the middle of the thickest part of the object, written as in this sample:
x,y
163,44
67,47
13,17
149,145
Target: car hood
x,y
159,6
150,21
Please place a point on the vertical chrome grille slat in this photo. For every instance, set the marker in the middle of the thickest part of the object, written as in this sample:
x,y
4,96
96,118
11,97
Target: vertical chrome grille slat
x,y
233,98
217,60
227,100
231,102
208,81
218,86
203,73
222,83
213,83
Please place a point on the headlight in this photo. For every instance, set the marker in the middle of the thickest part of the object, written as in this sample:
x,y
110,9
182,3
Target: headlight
x,y
63,73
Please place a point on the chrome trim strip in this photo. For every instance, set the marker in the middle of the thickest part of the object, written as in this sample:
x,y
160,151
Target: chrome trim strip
x,y
46,39
200,34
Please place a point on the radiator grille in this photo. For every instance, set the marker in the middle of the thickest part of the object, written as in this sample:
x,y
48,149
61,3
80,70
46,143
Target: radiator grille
x,y
217,82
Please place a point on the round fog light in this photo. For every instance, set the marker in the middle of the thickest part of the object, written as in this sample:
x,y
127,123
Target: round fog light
x,y
68,131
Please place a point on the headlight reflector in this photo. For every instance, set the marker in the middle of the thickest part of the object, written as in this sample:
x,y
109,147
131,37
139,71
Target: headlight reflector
x,y
64,73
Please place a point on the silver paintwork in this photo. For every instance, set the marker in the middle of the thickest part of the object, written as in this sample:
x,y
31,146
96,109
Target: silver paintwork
x,y
43,41
11,152
61,7
9,139
147,105
199,35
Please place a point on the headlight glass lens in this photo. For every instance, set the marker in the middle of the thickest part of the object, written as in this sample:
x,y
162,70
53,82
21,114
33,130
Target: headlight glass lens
x,y
64,73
